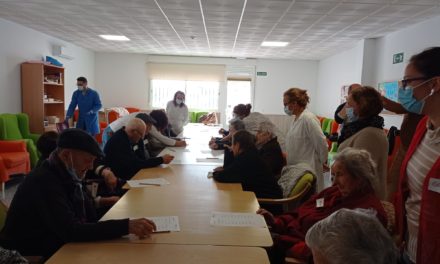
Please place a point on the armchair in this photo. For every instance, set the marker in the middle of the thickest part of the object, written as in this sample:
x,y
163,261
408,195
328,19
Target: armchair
x,y
14,159
16,127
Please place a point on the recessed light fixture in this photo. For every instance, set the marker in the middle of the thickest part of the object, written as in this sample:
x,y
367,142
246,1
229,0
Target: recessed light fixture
x,y
114,37
274,44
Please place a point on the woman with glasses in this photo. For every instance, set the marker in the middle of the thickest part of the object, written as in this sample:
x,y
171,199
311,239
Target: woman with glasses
x,y
418,195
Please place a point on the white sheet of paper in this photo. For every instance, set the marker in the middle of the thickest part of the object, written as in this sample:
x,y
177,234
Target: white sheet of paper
x,y
147,182
210,159
237,219
166,223
206,151
210,174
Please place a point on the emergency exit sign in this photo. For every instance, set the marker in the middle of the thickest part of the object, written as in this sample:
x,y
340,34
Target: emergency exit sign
x,y
261,73
398,58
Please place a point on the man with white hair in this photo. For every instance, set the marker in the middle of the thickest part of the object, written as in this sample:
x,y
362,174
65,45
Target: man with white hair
x,y
351,236
121,151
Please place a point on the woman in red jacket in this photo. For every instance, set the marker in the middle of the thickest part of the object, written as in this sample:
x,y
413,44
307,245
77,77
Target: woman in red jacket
x,y
418,196
353,175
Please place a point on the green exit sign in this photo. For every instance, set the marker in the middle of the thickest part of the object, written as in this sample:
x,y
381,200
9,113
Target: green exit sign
x,y
398,58
261,73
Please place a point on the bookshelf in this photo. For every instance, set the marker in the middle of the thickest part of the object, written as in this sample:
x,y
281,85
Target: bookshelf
x,y
42,88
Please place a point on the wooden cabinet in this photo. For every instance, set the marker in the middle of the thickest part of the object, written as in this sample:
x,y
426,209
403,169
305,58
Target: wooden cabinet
x,y
42,93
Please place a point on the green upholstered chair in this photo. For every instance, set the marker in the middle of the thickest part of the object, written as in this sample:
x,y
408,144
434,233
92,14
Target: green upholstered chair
x,y
16,127
300,191
199,114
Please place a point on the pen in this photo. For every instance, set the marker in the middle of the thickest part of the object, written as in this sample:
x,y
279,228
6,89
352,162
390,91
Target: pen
x,y
159,232
154,184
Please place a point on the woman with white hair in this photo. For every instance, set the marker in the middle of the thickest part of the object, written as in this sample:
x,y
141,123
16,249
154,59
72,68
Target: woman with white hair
x,y
269,149
351,236
353,180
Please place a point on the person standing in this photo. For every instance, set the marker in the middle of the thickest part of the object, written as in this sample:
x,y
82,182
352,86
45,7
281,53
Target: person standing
x,y
177,113
88,103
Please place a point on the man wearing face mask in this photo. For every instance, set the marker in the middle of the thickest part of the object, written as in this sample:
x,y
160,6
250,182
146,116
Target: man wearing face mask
x,y
177,113
125,154
50,208
89,104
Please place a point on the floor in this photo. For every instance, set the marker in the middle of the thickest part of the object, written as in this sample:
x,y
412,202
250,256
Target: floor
x,y
11,188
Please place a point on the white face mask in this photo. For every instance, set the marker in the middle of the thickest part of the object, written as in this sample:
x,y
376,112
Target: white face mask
x,y
179,101
80,88
71,170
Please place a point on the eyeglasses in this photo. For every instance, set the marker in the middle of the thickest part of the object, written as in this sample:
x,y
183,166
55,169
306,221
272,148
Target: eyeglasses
x,y
405,82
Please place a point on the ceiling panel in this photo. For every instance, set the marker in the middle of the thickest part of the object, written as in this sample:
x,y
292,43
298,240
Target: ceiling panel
x,y
316,29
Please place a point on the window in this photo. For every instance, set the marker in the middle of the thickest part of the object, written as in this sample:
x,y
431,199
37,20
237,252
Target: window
x,y
202,95
238,92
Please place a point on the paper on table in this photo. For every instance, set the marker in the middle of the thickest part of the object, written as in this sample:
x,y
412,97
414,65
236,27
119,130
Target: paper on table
x,y
210,174
147,182
210,159
206,151
237,219
166,223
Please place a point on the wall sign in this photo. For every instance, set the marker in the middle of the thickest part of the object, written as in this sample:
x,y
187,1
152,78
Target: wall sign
x,y
398,58
261,73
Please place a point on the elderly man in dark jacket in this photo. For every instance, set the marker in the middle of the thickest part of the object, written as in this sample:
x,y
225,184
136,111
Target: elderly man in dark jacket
x,y
50,208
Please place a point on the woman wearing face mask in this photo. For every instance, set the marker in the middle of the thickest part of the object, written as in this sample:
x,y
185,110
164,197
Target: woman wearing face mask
x,y
252,121
305,141
367,131
177,113
418,196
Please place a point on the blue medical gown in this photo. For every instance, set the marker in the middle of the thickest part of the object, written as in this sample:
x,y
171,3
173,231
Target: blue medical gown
x,y
88,105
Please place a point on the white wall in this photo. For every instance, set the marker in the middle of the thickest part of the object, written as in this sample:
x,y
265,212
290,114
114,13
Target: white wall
x,y
341,69
123,78
282,75
19,44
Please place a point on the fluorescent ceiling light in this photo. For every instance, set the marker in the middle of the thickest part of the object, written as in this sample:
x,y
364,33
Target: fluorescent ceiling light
x,y
274,44
114,37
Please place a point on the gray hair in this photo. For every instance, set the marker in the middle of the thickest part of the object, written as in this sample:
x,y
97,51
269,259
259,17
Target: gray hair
x,y
237,124
267,126
352,236
358,163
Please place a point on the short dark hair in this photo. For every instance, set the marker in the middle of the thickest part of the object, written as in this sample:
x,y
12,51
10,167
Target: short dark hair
x,y
47,143
81,79
242,110
161,118
369,101
427,62
245,139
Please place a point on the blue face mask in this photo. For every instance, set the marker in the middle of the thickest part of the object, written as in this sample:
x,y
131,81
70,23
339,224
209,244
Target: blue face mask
x,y
287,111
351,116
407,100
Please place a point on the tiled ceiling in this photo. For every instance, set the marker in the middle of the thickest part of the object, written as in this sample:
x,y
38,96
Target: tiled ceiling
x,y
222,28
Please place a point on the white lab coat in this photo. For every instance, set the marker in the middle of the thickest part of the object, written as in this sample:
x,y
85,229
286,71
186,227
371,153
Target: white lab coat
x,y
177,117
305,142
252,123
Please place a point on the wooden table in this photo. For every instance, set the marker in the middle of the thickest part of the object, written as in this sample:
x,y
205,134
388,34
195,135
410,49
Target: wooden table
x,y
194,209
191,177
92,253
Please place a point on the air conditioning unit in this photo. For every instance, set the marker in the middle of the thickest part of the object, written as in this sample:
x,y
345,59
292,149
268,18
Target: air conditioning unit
x,y
60,51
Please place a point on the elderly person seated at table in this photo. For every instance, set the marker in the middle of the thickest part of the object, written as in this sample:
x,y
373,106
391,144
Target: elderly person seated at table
x,y
269,149
124,151
217,143
353,175
248,168
351,236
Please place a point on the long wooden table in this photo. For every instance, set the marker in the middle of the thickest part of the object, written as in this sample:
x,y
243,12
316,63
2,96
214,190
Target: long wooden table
x,y
194,209
92,253
191,177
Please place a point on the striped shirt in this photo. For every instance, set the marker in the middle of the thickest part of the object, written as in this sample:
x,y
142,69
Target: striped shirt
x,y
418,168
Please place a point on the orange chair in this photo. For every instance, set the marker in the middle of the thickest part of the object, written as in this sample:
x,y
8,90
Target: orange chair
x,y
14,159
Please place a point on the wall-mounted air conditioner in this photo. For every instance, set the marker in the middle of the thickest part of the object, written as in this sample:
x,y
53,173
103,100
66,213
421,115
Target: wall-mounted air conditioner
x,y
60,51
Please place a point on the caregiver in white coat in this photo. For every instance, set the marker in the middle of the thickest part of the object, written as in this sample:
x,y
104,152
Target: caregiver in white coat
x,y
305,141
177,113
